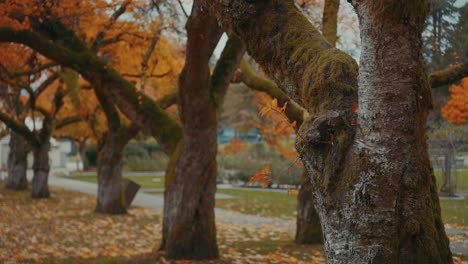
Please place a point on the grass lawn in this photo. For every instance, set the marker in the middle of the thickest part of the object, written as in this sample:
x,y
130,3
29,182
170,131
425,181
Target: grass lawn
x,y
461,179
146,182
262,203
455,212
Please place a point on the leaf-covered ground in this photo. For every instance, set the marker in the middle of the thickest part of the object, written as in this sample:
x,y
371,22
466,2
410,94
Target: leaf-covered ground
x,y
64,229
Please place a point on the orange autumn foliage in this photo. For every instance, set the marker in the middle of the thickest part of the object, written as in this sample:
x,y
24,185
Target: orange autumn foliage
x,y
262,177
127,42
455,111
278,128
235,145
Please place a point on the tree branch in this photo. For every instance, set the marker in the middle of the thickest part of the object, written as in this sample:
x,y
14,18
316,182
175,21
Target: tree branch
x,y
225,68
298,58
449,75
29,72
67,121
137,107
98,42
112,115
330,20
293,111
19,128
167,100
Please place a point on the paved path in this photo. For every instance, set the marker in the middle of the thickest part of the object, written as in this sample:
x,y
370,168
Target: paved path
x,y
223,216
156,202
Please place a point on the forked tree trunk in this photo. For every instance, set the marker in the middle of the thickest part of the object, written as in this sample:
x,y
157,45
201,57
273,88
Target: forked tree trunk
x,y
373,182
41,168
190,190
189,230
111,192
308,230
110,198
17,163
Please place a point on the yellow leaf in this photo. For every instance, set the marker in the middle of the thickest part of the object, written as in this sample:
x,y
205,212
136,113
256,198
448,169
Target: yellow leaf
x,y
274,103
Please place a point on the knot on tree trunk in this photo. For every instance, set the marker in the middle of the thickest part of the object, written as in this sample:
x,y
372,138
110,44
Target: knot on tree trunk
x,y
323,142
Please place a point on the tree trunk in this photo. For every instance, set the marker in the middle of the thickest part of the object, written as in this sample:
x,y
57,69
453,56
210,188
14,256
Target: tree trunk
x,y
110,198
446,188
40,186
373,182
308,230
382,205
189,202
111,192
17,163
82,152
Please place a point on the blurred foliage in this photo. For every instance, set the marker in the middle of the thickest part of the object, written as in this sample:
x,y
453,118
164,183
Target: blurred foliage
x,y
240,166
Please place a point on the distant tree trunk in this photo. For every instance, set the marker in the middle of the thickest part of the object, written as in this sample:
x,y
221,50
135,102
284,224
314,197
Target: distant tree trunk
x,y
17,163
446,188
189,230
308,228
110,198
41,168
82,153
190,190
111,194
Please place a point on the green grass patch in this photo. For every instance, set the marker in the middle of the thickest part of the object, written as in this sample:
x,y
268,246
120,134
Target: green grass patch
x,y
455,212
261,203
459,179
146,182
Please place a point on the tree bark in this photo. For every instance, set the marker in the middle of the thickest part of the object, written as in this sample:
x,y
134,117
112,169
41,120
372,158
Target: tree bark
x,y
383,206
17,163
190,190
308,230
216,88
111,193
110,197
41,168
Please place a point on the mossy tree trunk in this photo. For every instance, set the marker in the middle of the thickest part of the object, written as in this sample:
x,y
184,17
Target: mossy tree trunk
x,y
111,194
308,229
196,153
17,163
189,230
373,182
